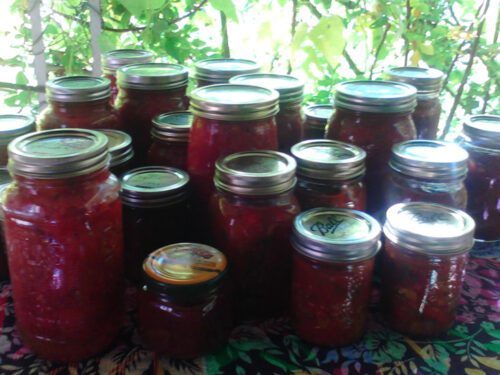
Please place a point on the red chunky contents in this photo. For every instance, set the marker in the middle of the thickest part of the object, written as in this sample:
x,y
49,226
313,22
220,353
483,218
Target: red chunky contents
x,y
426,118
290,125
168,154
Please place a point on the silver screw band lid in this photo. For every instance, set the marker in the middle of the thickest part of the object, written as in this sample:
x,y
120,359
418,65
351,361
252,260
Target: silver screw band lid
x,y
427,81
75,89
14,125
221,70
119,146
483,130
172,126
152,76
113,60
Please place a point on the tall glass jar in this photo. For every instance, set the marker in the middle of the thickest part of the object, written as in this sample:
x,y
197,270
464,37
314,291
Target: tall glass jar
x,y
252,214
316,119
12,126
120,151
146,91
428,83
79,102
423,266
215,71
155,213
330,174
332,274
170,135
374,115
63,227
5,181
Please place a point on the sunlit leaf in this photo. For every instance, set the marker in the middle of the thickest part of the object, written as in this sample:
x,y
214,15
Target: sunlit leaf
x,y
227,7
327,36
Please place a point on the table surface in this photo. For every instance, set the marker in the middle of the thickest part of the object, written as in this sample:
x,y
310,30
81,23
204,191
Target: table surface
x,y
471,347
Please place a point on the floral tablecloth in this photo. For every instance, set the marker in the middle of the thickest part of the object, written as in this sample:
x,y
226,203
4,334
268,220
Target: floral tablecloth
x,y
471,347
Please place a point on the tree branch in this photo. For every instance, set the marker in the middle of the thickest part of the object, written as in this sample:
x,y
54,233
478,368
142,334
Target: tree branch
x,y
190,13
17,86
379,48
293,26
408,21
225,37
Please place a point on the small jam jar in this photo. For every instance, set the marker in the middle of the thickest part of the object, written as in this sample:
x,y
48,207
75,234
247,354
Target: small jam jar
x,y
481,138
185,304
252,215
170,135
333,266
374,115
5,181
146,91
330,174
12,126
427,171
316,119
428,83
214,71
289,118
155,213
423,265
120,151
63,228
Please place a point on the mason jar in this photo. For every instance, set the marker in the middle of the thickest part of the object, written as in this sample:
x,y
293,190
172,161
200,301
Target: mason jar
x,y
120,151
5,181
215,71
12,126
316,119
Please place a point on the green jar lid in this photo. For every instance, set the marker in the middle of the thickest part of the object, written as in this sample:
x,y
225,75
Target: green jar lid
x,y
75,89
221,70
117,58
152,76
427,81
14,125
172,126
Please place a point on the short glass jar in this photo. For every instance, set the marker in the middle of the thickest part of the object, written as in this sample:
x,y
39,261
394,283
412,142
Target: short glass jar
x,y
155,213
330,174
374,115
185,306
215,71
423,266
5,181
252,215
428,82
63,227
427,171
333,267
146,91
120,151
12,126
170,135
316,120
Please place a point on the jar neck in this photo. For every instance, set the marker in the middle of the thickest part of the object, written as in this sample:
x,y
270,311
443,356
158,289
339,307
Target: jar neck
x,y
83,108
448,180
254,200
83,180
318,182
184,296
148,94
339,111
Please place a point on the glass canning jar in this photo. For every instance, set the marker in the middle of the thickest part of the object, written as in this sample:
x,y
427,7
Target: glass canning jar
x,y
63,227
5,181
332,273
215,71
185,306
423,265
330,174
252,214
12,126
120,151
316,119
155,212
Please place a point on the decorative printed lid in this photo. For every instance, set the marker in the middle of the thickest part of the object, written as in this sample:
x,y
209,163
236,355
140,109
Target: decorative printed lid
x,y
13,125
221,70
119,146
335,234
152,76
318,115
483,130
427,81
117,58
76,89
172,126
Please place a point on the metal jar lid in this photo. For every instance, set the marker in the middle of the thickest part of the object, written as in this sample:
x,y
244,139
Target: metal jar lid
x,y
427,81
429,159
152,76
429,228
13,125
233,102
291,89
255,173
325,159
58,153
375,96
151,187
318,114
75,89
335,234
221,70
113,60
172,126
119,146
483,130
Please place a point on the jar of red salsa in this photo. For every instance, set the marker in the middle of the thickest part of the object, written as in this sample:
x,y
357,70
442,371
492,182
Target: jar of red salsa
x,y
5,181
423,265
155,213
170,135
79,102
481,138
252,215
146,91
185,305
428,83
427,171
12,126
316,119
289,118
215,71
120,151
330,174
374,115
332,274
63,227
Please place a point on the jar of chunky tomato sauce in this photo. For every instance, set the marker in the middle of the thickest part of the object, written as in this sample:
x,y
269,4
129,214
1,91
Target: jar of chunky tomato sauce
x,y
333,267
170,135
79,102
215,71
427,171
289,119
316,119
252,215
330,174
120,151
63,227
146,91
423,265
155,212
5,181
185,304
481,139
12,126
374,115
428,82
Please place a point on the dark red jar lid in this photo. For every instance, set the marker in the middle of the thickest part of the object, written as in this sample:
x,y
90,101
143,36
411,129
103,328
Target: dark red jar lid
x,y
76,89
152,76
172,126
117,58
483,130
14,125
221,70
427,81
119,146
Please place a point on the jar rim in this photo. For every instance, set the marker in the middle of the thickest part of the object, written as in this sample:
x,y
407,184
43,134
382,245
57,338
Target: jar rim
x,y
119,146
426,80
289,88
14,125
484,129
319,112
172,126
220,70
115,59
152,76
